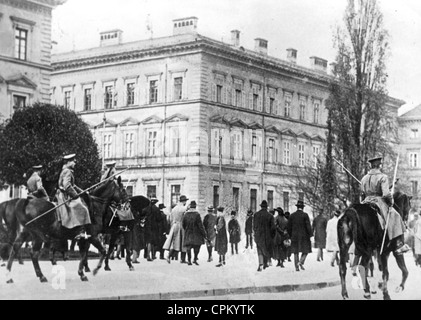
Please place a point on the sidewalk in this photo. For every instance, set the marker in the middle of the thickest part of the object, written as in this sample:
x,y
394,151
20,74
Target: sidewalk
x,y
159,280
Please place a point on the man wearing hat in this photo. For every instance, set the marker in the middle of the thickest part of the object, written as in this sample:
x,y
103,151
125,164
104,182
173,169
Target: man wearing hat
x,y
221,241
75,212
34,184
299,230
332,238
174,242
375,189
209,222
152,221
163,231
234,232
194,232
264,233
281,236
249,229
109,170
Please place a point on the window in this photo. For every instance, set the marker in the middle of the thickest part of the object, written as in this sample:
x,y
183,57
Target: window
x,y
151,191
271,151
175,194
285,196
414,188
237,145
19,101
87,100
253,199
153,91
107,141
178,88
288,100
108,100
67,99
270,199
175,141
287,155
316,111
272,108
255,101
413,160
130,94
316,152
152,143
21,40
302,109
254,148
215,196
129,144
301,155
218,93
236,198
414,133
238,95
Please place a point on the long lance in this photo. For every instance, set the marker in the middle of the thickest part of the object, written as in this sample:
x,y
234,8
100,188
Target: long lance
x,y
86,190
347,170
388,212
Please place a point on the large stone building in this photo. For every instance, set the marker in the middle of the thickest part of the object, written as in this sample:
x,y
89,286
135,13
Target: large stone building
x,y
25,57
410,151
191,115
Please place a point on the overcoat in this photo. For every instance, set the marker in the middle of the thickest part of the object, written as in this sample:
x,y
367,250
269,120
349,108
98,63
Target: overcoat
x,y
234,231
175,237
264,231
249,225
221,241
35,187
153,219
209,222
332,234
299,230
319,231
194,231
279,250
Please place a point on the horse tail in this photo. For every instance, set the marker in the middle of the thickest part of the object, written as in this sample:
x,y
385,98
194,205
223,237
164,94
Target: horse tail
x,y
346,230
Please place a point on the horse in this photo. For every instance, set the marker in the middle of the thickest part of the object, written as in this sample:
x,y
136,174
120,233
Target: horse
x,y
359,223
17,213
114,226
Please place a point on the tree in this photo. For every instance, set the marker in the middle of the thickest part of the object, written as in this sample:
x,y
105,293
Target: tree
x,y
362,123
43,134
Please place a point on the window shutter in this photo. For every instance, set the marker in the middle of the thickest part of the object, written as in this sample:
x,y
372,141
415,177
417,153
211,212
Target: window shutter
x,y
243,100
247,144
260,103
251,100
213,92
233,97
232,147
224,95
267,102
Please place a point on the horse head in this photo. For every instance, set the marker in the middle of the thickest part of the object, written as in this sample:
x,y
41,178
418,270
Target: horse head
x,y
402,204
112,191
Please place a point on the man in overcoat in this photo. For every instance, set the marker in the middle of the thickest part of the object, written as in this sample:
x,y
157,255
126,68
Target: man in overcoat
x,y
264,233
209,222
221,241
319,232
194,232
34,184
299,230
249,229
152,220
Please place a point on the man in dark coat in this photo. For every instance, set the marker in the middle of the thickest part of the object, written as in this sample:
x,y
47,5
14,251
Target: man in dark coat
x,y
34,184
319,232
194,232
209,222
281,235
163,230
299,230
234,232
221,241
249,229
264,233
152,220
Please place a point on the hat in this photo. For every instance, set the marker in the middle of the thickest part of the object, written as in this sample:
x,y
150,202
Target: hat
x,y
154,200
110,164
210,208
375,159
272,211
233,212
37,167
69,157
193,204
183,198
220,209
264,204
161,206
300,204
249,212
337,213
280,210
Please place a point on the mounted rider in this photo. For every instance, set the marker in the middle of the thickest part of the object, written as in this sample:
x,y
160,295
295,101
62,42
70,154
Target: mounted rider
x,y
34,184
375,190
109,171
75,212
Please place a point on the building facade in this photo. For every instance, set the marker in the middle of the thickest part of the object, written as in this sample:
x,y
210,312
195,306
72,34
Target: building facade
x,y
189,115
410,153
25,57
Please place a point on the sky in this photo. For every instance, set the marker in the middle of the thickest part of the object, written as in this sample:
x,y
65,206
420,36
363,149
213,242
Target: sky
x,y
305,25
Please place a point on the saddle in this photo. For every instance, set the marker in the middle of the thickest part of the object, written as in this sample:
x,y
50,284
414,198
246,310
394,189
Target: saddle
x,y
377,209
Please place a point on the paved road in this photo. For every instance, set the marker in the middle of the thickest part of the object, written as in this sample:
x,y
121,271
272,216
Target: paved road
x,y
160,280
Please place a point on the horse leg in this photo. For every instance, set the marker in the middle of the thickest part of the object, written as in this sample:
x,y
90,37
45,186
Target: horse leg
x,y
128,250
35,252
83,249
52,256
364,267
113,239
400,260
385,275
17,244
344,241
97,244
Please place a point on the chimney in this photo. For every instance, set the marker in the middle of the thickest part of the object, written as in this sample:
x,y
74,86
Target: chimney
x,y
292,55
235,38
185,25
112,37
261,45
318,64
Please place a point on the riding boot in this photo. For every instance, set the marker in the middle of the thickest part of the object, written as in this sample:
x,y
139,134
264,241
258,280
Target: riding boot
x,y
401,246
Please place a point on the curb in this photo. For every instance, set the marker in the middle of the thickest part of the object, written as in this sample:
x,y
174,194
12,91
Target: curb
x,y
223,291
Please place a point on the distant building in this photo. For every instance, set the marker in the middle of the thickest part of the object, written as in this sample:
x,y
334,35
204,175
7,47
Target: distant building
x,y
410,146
25,57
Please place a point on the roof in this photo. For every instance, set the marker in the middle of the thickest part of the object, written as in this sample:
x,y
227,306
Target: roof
x,y
413,114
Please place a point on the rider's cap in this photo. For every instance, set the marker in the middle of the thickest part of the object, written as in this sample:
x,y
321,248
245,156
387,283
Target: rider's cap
x,y
375,159
110,164
37,167
69,157
154,200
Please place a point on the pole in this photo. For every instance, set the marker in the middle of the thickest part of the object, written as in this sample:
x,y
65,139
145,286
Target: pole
x,y
388,212
220,165
347,170
86,190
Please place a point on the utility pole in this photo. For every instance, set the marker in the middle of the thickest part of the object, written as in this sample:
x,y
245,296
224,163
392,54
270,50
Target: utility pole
x,y
220,166
104,119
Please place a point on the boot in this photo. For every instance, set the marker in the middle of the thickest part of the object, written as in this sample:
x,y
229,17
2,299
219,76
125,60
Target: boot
x,y
401,246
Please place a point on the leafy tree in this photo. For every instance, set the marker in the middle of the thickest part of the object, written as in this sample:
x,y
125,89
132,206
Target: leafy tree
x,y
43,134
362,123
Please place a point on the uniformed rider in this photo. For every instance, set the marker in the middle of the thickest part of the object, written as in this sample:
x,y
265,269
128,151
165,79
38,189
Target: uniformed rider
x,y
34,184
109,171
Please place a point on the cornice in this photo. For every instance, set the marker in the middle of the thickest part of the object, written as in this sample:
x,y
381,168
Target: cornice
x,y
39,6
26,63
